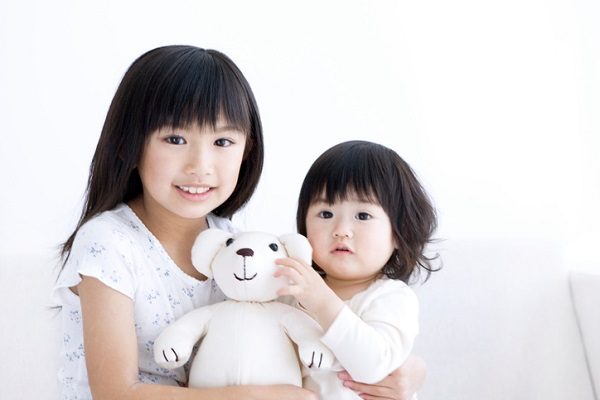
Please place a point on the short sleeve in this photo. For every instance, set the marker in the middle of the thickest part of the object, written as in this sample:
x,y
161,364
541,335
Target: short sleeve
x,y
102,250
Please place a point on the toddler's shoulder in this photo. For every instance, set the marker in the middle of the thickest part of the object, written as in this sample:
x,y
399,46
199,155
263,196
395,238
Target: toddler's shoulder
x,y
389,289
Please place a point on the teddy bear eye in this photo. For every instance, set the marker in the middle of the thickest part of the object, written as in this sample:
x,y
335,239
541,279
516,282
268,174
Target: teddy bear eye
x,y
229,241
274,246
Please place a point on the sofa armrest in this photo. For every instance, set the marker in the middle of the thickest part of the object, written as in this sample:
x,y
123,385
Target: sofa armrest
x,y
585,290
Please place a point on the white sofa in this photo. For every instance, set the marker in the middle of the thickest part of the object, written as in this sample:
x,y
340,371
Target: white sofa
x,y
498,322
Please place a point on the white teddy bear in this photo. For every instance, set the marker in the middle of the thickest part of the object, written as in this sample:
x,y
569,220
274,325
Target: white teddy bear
x,y
247,339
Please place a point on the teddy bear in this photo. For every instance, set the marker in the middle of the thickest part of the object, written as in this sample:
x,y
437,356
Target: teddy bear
x,y
249,338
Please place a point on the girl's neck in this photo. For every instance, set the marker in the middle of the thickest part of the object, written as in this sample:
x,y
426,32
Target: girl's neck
x,y
346,289
174,233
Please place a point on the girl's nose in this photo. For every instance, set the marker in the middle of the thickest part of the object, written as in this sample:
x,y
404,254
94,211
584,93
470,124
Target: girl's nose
x,y
199,162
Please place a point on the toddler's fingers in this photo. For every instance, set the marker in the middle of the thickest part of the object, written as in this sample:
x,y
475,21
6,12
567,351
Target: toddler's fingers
x,y
291,290
292,263
291,274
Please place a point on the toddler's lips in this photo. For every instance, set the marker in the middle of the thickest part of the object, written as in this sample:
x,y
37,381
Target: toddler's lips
x,y
341,250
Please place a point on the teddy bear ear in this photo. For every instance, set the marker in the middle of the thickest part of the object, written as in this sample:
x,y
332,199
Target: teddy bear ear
x,y
297,246
205,248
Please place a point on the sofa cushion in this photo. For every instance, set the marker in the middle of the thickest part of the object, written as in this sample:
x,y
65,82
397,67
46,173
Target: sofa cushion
x,y
497,322
30,331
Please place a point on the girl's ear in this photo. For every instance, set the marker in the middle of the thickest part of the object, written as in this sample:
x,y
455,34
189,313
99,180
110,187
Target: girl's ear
x,y
205,248
297,246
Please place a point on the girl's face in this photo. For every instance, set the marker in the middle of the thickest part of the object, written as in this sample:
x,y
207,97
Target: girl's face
x,y
189,172
351,239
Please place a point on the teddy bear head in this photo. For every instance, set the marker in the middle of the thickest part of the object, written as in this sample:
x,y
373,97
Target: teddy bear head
x,y
243,264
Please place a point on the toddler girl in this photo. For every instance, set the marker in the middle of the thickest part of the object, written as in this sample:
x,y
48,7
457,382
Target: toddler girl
x,y
368,220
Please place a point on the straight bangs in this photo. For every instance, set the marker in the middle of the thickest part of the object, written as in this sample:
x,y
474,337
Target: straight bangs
x,y
201,88
350,174
355,168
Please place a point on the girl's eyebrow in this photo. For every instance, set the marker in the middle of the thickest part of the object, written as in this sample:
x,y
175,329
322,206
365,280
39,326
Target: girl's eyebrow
x,y
319,201
227,128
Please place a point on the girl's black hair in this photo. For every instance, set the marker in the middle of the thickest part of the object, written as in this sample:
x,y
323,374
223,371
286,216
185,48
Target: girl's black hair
x,y
378,174
171,86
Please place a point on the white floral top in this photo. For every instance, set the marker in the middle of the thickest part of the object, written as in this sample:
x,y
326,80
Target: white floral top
x,y
116,248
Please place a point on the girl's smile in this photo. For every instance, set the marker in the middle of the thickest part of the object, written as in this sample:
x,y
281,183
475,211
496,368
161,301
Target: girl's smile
x,y
194,193
190,171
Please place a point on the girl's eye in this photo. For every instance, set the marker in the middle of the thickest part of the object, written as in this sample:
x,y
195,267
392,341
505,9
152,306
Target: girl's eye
x,y
326,214
363,216
176,140
228,242
223,142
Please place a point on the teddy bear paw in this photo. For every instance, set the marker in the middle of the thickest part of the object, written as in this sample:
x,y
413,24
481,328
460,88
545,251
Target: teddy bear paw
x,y
169,357
316,358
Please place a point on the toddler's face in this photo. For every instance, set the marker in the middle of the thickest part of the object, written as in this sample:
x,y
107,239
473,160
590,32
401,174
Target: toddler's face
x,y
351,239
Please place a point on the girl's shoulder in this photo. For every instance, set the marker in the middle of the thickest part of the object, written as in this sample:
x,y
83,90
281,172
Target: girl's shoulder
x,y
106,247
120,219
118,229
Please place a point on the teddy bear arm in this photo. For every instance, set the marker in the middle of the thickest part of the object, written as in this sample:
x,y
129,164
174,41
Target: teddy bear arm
x,y
306,333
174,345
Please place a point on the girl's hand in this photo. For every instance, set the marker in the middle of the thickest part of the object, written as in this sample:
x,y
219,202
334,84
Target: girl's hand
x,y
401,384
274,392
311,291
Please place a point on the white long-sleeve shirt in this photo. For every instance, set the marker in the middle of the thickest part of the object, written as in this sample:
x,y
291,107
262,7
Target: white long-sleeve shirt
x,y
371,337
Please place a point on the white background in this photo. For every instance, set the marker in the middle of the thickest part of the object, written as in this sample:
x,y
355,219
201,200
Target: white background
x,y
495,104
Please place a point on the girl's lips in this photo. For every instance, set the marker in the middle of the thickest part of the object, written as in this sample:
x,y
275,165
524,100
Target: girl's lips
x,y
193,189
187,192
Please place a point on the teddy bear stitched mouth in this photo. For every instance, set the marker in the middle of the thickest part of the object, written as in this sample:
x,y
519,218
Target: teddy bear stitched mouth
x,y
245,278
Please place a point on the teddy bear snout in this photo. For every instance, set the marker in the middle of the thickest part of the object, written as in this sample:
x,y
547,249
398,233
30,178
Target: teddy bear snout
x,y
245,252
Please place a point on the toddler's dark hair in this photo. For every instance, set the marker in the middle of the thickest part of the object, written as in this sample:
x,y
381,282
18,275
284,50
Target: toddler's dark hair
x,y
377,174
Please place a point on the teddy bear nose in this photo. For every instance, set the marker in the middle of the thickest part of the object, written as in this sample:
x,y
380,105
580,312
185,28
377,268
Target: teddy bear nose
x,y
245,252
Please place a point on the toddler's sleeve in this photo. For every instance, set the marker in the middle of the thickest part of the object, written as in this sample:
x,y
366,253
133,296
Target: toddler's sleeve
x,y
378,340
103,251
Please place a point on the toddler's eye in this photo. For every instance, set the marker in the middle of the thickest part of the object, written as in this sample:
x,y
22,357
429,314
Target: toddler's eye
x,y
176,140
229,241
274,246
223,142
363,216
326,214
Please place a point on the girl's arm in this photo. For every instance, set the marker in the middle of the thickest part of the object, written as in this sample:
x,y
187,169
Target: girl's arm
x,y
401,384
112,360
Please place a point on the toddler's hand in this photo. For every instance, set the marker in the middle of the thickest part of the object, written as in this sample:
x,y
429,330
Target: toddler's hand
x,y
311,291
305,284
